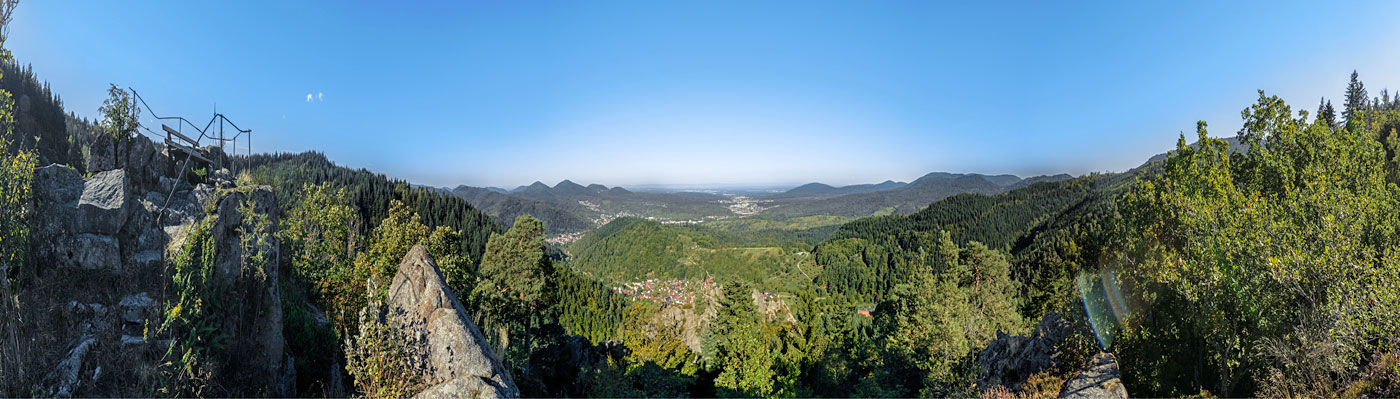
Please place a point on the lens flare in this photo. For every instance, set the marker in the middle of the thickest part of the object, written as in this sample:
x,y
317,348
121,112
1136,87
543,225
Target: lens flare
x,y
1104,304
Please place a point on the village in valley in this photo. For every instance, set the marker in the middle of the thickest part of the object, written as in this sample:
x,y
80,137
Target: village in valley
x,y
670,292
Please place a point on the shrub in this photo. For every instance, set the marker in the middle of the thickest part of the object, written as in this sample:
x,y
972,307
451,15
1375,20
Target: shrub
x,y
192,319
381,357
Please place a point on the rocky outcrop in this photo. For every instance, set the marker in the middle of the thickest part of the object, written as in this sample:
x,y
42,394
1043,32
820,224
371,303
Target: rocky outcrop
x,y
116,228
1009,360
77,220
246,263
1100,380
146,163
457,354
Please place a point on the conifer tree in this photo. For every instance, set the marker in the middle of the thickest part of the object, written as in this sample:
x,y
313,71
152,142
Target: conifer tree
x,y
1356,98
515,273
1325,112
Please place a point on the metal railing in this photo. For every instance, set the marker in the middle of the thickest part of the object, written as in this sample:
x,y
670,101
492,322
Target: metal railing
x,y
193,144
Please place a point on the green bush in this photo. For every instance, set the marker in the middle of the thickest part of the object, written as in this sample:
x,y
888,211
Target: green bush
x,y
380,358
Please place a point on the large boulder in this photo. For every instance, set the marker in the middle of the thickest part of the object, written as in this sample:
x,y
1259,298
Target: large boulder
x,y
1100,380
76,220
458,356
87,251
141,238
1008,361
57,183
57,189
103,207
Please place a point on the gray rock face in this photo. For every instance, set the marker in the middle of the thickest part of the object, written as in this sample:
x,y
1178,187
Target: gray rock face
x,y
257,351
458,355
1009,360
232,226
102,155
57,184
1100,379
77,221
136,307
141,159
103,205
90,252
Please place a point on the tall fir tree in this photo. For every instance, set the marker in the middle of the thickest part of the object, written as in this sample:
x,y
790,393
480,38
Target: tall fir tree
x,y
1356,98
1325,112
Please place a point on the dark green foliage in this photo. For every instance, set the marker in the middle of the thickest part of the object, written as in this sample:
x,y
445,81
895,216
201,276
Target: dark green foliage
x,y
1166,358
632,249
995,220
867,257
39,120
628,248
1050,255
735,346
1356,99
587,307
313,343
507,208
371,195
1325,112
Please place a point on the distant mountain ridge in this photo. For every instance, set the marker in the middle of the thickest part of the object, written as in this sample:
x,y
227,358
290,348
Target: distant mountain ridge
x,y
571,207
892,197
820,190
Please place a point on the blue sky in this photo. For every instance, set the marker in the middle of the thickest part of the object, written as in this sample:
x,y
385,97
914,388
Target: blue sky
x,y
713,92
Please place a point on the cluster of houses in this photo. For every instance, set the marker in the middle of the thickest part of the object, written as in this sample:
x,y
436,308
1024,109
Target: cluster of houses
x,y
674,291
566,238
745,206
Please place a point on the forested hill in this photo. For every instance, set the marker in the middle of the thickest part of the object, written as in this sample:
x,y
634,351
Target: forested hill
x,y
898,200
1039,225
632,249
865,258
571,208
371,194
995,220
819,190
506,208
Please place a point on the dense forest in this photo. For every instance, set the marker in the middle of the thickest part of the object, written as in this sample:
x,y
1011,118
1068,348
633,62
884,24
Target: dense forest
x,y
371,195
632,249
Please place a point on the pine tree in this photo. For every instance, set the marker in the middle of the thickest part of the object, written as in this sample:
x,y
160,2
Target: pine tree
x,y
1325,112
1356,98
515,274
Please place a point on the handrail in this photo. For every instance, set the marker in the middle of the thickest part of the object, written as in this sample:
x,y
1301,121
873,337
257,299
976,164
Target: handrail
x,y
202,132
